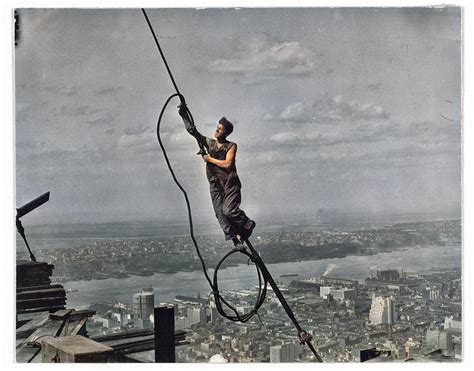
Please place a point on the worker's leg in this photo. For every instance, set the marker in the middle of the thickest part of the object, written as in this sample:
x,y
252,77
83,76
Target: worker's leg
x,y
217,196
231,208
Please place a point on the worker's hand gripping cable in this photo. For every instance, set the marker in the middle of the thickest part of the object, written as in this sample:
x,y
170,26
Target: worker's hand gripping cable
x,y
188,120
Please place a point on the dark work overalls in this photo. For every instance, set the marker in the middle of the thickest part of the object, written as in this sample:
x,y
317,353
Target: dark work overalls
x,y
224,185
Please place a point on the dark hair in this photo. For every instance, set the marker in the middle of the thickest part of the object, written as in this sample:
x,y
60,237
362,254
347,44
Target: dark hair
x,y
229,128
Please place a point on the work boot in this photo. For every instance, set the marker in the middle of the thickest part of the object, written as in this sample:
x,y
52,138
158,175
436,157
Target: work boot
x,y
238,244
247,230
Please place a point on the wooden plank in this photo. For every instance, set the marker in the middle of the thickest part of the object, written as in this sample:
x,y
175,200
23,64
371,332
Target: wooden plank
x,y
139,346
75,349
26,354
125,343
34,294
31,326
123,334
72,314
40,302
34,275
78,314
23,262
40,309
77,327
179,334
37,358
50,327
33,279
41,287
33,282
30,316
21,322
27,266
34,271
61,314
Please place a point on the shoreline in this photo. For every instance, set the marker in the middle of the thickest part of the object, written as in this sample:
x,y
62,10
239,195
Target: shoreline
x,y
126,274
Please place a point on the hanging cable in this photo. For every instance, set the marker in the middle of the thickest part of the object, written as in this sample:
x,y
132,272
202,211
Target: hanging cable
x,y
264,276
161,52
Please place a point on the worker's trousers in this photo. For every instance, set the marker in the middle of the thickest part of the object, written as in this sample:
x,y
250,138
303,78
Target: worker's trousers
x,y
226,200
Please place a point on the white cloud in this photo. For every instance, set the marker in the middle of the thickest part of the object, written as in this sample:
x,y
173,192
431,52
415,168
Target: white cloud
x,y
297,112
267,58
181,138
143,139
267,117
333,109
285,138
339,108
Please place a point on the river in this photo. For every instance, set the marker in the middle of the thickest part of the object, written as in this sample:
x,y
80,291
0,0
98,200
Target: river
x,y
167,286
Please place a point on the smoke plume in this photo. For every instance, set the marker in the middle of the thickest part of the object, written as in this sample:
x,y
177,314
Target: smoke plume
x,y
329,269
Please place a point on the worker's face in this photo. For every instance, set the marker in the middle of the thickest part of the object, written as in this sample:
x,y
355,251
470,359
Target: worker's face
x,y
220,132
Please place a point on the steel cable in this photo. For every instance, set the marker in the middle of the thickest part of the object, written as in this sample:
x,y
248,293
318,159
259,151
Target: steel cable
x,y
220,302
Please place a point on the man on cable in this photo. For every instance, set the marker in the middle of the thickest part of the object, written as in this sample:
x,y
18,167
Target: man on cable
x,y
223,179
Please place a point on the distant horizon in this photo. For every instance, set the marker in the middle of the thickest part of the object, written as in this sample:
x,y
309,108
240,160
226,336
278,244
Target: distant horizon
x,y
337,217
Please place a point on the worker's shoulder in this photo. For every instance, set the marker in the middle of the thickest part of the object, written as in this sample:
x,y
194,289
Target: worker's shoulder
x,y
226,144
230,144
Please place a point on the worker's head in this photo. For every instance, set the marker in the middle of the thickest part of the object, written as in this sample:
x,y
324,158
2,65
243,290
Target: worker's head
x,y
224,129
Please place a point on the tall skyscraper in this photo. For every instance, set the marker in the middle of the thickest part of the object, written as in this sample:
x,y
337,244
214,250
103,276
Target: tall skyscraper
x,y
339,294
284,352
143,306
195,315
439,339
382,311
451,324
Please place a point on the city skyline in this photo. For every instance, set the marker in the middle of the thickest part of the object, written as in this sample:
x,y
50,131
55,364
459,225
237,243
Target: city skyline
x,y
350,127
342,326
346,109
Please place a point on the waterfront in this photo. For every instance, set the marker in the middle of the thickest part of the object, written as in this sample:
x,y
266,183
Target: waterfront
x,y
167,286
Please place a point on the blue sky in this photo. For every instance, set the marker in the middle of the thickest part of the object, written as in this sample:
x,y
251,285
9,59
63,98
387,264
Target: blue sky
x,y
347,109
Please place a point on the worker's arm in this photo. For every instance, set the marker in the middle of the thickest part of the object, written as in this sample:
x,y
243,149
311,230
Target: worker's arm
x,y
191,128
229,158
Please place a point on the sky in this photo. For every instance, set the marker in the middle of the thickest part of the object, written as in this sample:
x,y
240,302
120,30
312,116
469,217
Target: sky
x,y
355,110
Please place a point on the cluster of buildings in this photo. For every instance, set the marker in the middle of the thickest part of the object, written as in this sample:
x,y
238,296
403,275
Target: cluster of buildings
x,y
446,336
118,317
392,316
390,320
